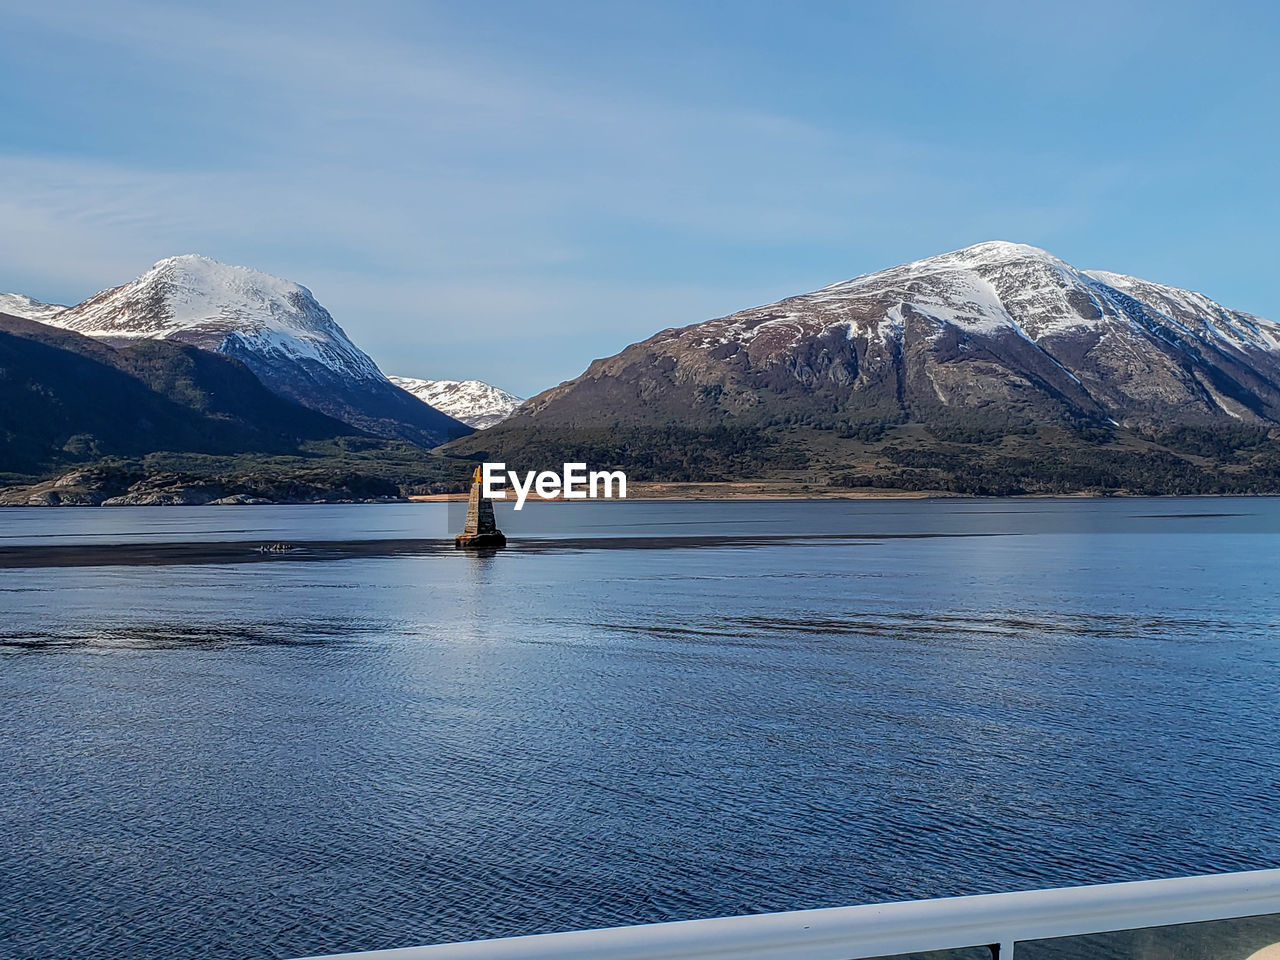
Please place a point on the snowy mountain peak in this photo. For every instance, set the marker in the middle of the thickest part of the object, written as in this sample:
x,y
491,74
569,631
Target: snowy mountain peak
x,y
202,278
995,326
1000,287
984,288
987,254
20,305
221,307
991,254
986,259
273,326
997,250
474,402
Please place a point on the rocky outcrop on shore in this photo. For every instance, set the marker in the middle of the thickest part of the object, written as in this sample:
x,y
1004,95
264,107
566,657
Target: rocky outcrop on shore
x,y
105,487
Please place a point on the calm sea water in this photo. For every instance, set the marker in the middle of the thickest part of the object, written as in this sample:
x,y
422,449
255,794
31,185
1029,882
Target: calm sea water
x,y
291,757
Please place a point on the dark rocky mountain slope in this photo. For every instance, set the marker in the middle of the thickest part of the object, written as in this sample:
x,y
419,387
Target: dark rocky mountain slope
x,y
67,399
158,422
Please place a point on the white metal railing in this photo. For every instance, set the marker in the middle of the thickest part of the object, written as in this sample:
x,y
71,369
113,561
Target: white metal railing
x,y
877,930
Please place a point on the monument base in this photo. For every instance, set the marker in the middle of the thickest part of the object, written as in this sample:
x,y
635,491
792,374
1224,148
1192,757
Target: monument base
x,y
479,541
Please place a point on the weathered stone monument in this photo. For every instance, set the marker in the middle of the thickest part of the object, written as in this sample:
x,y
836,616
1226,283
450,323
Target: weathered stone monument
x,y
481,531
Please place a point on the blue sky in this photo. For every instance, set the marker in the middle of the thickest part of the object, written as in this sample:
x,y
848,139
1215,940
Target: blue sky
x,y
508,190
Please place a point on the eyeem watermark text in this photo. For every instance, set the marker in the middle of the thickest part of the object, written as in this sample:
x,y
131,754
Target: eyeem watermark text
x,y
572,483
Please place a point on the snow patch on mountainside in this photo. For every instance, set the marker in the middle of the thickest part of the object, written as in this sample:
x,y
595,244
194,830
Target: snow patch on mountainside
x,y
20,305
474,402
986,288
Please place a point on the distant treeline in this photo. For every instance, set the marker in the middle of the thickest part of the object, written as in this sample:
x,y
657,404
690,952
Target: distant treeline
x,y
1084,469
670,453
989,453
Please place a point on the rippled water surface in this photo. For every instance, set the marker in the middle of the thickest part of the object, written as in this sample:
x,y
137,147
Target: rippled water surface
x,y
299,755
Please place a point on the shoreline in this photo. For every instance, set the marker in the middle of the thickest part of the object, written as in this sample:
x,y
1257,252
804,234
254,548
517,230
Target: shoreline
x,y
744,491
764,491
760,490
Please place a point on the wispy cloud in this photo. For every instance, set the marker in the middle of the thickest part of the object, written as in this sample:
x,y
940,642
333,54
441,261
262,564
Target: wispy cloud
x,y
443,197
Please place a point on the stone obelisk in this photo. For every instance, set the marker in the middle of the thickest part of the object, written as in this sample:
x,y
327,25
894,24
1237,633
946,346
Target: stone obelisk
x,y
481,531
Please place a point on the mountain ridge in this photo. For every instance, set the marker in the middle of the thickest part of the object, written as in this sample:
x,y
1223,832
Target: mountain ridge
x,y
474,402
28,308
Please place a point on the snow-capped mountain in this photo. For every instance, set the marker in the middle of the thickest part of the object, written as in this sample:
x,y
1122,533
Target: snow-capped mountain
x,y
474,402
276,327
996,327
206,303
18,305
